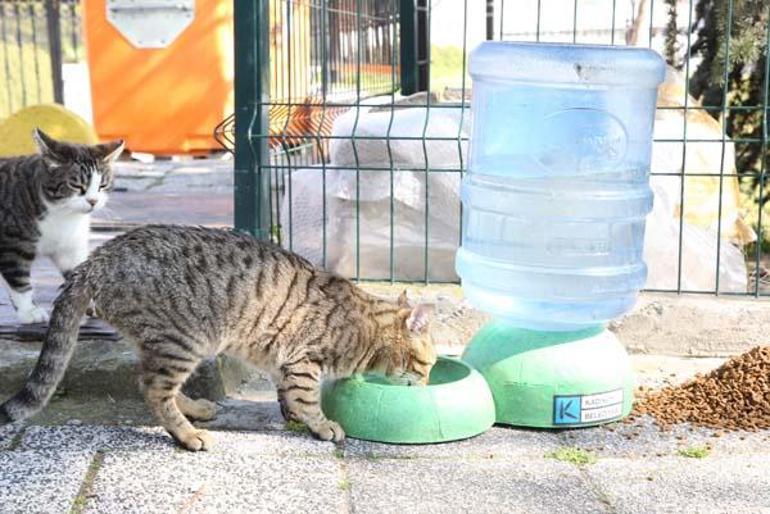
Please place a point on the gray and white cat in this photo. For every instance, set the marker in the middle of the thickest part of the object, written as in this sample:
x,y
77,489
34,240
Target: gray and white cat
x,y
45,205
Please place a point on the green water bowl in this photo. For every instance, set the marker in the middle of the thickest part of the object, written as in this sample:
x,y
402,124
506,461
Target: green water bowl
x,y
553,379
456,404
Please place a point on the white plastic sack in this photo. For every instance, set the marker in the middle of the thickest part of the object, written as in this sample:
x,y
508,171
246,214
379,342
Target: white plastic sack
x,y
358,241
391,127
372,231
699,253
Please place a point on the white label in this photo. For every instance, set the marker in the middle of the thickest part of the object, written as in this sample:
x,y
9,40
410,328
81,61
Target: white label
x,y
595,401
601,413
150,23
591,408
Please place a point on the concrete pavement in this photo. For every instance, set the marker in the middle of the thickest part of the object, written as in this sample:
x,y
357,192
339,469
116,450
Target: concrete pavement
x,y
97,468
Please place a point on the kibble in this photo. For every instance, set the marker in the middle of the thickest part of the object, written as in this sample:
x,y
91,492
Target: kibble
x,y
735,396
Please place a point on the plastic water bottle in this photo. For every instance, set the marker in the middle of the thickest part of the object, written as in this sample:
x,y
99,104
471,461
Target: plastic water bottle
x,y
557,189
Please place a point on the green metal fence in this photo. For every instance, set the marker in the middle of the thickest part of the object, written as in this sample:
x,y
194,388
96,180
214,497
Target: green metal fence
x,y
352,120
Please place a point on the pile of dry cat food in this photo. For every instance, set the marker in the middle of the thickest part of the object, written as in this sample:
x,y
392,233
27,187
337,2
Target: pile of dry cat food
x,y
735,396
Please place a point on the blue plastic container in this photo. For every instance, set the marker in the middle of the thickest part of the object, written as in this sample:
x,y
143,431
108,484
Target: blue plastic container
x,y
558,185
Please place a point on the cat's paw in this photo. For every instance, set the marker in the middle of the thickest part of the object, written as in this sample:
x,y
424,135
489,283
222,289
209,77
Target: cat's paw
x,y
329,431
33,314
196,440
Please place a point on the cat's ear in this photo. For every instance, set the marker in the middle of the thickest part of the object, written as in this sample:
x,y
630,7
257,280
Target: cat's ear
x,y
403,300
48,147
109,152
420,317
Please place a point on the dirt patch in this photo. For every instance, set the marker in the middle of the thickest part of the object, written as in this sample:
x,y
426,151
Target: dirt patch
x,y
735,396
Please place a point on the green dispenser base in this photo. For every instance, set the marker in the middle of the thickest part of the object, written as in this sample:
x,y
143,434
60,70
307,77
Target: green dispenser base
x,y
553,379
456,404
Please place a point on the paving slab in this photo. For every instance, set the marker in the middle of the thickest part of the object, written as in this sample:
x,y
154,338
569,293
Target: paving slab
x,y
41,481
111,438
284,443
98,367
498,443
476,485
96,438
246,415
193,207
642,438
9,435
678,484
204,173
64,410
215,482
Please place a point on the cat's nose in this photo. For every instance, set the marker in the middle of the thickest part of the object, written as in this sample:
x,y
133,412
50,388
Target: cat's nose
x,y
92,201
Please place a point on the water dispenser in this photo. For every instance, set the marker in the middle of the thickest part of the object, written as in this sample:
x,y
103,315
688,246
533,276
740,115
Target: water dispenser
x,y
554,207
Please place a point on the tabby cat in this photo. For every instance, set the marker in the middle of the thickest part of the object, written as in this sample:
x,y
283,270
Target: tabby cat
x,y
182,294
45,206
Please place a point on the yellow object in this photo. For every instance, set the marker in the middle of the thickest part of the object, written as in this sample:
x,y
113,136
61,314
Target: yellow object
x,y
53,119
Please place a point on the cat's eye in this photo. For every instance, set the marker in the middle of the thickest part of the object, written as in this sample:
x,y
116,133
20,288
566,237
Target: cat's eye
x,y
77,187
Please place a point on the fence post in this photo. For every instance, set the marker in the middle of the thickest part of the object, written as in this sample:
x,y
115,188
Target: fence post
x,y
53,23
413,25
252,94
490,14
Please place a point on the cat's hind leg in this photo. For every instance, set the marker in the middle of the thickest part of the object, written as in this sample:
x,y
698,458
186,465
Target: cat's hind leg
x,y
15,267
300,393
165,366
200,409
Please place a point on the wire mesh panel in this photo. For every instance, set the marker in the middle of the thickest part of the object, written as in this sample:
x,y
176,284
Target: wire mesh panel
x,y
357,137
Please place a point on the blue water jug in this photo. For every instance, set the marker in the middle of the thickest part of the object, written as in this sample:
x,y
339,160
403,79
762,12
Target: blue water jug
x,y
557,189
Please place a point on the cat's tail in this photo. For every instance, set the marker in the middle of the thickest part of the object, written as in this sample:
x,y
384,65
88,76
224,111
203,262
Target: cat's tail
x,y
69,308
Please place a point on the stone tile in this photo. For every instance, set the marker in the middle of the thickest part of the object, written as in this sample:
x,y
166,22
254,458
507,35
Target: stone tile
x,y
479,485
104,438
642,438
8,434
271,443
247,415
679,484
96,437
94,410
215,482
191,207
41,481
499,442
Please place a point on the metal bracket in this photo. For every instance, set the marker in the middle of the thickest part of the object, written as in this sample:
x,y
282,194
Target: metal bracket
x,y
150,23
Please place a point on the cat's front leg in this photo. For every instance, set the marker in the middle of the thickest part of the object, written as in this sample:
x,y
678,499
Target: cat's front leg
x,y
300,393
26,310
16,273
